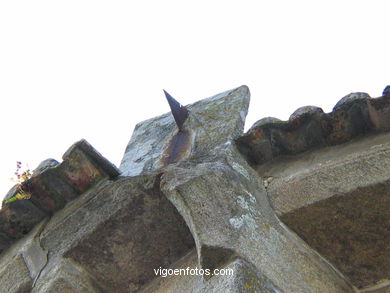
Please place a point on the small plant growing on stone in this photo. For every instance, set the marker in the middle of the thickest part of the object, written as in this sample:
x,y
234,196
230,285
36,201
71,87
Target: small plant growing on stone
x,y
20,176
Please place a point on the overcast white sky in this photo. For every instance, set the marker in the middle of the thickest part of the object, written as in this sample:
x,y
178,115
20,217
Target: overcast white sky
x,y
93,69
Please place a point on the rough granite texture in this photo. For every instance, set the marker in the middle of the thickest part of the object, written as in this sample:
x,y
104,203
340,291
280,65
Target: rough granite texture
x,y
309,128
291,206
216,120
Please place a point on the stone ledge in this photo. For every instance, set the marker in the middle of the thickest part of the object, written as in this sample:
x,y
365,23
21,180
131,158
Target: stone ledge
x,y
51,187
351,230
109,239
298,181
308,127
337,200
119,232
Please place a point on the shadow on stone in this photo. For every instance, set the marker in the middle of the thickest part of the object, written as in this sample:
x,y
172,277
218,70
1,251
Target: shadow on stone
x,y
145,233
351,230
215,257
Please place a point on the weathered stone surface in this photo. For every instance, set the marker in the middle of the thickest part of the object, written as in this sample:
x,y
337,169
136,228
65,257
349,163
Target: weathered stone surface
x,y
48,163
305,131
83,166
337,199
14,273
50,190
245,278
35,257
382,287
350,98
309,128
54,185
379,111
349,120
119,232
67,277
5,241
14,276
351,230
228,213
265,121
19,217
101,163
212,121
314,176
256,145
305,110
